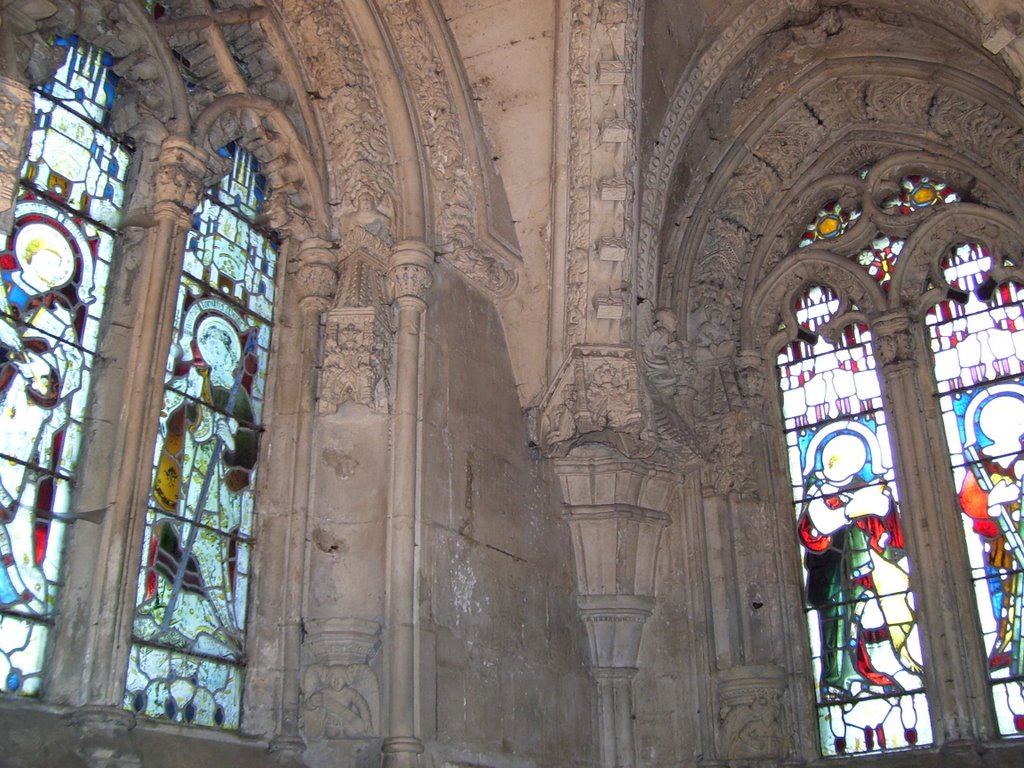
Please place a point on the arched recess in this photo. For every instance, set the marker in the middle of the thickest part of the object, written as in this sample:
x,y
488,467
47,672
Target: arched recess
x,y
827,102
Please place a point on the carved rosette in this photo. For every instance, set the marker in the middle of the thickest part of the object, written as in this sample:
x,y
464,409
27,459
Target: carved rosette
x,y
596,397
15,114
340,689
751,712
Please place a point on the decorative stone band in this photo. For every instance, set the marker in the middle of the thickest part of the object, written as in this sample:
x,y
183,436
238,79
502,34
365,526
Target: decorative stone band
x,y
615,625
342,641
409,272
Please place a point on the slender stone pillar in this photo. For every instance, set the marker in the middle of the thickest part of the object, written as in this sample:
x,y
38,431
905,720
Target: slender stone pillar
x,y
925,489
409,278
616,513
85,669
313,280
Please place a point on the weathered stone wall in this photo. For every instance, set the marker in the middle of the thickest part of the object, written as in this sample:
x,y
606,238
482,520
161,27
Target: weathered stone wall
x,y
503,675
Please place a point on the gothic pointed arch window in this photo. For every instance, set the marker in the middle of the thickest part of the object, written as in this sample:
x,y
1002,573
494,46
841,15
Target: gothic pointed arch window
x,y
867,635
55,266
860,609
188,655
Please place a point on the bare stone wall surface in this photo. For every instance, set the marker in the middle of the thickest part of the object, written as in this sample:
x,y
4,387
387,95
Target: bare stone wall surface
x,y
501,646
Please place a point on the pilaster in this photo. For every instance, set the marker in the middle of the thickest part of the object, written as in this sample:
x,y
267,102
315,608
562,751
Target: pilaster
x,y
408,278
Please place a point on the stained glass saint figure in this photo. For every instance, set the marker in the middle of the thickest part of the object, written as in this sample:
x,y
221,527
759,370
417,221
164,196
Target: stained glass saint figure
x,y
54,268
978,358
861,613
188,658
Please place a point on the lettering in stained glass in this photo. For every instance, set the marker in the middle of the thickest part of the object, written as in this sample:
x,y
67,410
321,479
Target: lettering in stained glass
x,y
188,657
977,345
54,269
861,613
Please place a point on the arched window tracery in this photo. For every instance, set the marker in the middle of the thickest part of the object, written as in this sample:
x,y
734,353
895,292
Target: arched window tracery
x,y
971,327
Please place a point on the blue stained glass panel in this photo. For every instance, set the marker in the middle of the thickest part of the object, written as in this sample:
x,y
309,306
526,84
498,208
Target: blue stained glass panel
x,y
861,613
54,269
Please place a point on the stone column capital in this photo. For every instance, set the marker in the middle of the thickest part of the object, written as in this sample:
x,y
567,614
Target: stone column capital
x,y
314,273
893,336
409,271
185,171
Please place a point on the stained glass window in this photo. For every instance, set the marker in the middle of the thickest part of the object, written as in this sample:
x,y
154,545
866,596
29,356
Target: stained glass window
x,y
861,613
880,259
978,355
829,223
917,192
187,660
54,268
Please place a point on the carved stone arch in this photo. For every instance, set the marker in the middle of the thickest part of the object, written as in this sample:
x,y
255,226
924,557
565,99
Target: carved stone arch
x,y
1001,235
296,202
772,301
717,62
468,217
156,94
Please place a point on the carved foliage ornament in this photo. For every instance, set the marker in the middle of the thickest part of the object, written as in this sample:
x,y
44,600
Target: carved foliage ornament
x,y
447,149
15,111
597,397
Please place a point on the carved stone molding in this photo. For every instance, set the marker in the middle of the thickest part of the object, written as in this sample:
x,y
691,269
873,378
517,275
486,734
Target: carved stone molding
x,y
694,91
596,397
356,131
104,737
447,150
600,175
340,690
184,173
15,114
409,272
752,715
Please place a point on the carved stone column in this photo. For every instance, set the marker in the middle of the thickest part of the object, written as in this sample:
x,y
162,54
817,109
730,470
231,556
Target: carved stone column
x,y
102,566
409,278
15,122
616,509
925,489
283,518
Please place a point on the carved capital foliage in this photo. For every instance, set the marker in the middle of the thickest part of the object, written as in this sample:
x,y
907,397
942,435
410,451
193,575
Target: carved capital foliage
x,y
752,713
340,689
893,339
15,121
184,172
596,397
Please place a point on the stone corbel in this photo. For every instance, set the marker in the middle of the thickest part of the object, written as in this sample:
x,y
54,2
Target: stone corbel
x,y
616,509
356,353
104,737
340,689
596,397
